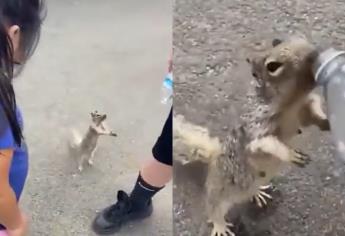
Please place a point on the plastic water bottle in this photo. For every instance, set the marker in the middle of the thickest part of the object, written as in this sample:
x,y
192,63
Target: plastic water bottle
x,y
167,88
329,70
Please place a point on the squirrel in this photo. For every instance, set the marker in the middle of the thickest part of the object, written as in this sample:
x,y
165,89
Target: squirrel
x,y
84,147
258,149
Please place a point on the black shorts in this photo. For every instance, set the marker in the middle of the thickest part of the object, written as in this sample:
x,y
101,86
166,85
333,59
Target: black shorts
x,y
162,150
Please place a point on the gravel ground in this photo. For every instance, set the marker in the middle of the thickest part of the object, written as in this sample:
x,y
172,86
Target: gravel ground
x,y
211,40
109,56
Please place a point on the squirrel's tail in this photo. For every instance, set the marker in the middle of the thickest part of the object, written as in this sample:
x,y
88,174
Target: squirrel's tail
x,y
75,139
195,141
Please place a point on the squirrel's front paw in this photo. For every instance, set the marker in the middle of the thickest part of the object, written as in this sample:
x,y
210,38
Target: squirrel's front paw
x,y
261,197
299,158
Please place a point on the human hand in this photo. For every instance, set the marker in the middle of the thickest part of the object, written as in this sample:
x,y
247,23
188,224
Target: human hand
x,y
22,228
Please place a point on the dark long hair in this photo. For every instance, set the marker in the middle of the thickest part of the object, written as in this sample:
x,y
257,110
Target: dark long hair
x,y
27,14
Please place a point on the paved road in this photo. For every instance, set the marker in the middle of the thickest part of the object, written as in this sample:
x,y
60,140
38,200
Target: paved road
x,y
108,56
211,41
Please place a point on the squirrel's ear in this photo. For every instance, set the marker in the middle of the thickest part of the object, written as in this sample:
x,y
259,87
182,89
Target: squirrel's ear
x,y
276,42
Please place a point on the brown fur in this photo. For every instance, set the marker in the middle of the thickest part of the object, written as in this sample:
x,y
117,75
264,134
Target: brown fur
x,y
259,148
84,148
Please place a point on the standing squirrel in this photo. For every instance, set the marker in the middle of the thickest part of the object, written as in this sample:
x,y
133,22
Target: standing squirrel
x,y
84,147
257,150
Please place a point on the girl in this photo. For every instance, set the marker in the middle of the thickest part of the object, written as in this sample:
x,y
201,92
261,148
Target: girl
x,y
20,24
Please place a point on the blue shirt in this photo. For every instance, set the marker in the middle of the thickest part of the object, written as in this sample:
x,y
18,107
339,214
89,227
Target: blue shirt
x,y
19,165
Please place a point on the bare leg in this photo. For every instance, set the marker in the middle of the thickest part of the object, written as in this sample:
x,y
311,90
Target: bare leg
x,y
156,173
